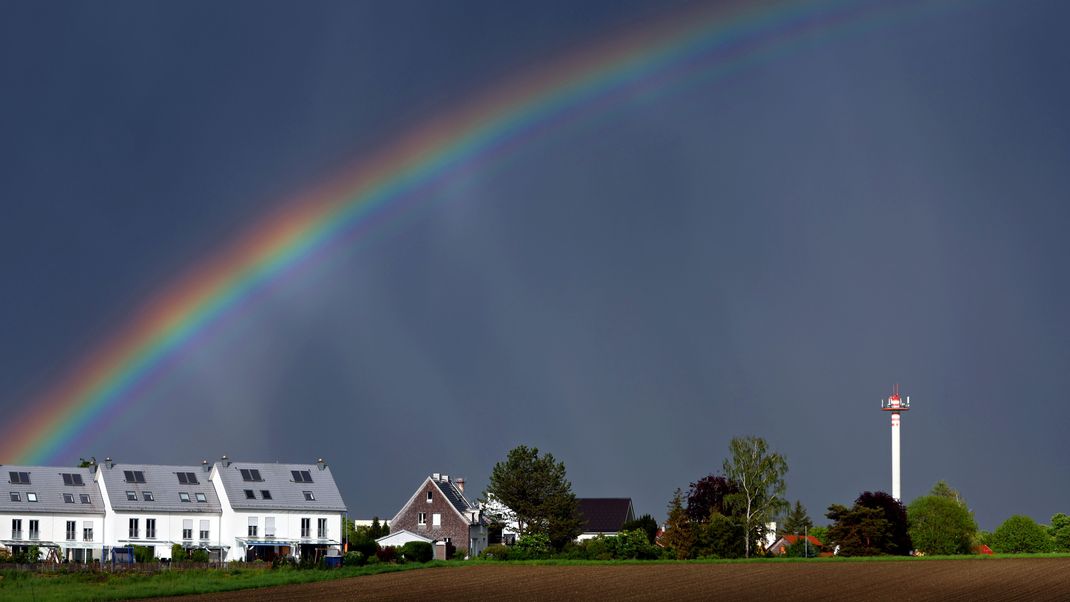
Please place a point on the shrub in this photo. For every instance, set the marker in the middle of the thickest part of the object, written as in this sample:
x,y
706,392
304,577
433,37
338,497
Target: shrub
x,y
354,559
387,554
368,547
802,549
5,555
634,544
1020,535
284,562
178,553
533,546
417,551
30,555
496,552
143,554
199,555
373,559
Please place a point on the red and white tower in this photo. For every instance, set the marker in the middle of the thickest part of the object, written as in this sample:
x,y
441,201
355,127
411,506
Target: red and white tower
x,y
896,406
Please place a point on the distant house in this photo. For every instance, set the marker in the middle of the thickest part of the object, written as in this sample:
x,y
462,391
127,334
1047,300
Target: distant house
x,y
604,515
440,512
399,538
781,545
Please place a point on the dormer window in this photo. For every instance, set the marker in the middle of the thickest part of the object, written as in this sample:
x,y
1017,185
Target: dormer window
x,y
429,497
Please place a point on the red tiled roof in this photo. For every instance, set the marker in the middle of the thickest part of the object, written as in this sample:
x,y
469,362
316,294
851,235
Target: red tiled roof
x,y
791,539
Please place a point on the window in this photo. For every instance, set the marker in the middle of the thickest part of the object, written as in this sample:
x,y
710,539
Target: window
x,y
87,531
133,528
150,528
183,496
15,497
84,498
252,526
421,519
250,474
429,496
187,528
35,529
131,496
301,476
250,494
16,528
309,497
321,528
72,479
204,529
306,526
187,478
436,520
19,478
269,526
68,498
201,498
134,476
265,494
31,496
147,496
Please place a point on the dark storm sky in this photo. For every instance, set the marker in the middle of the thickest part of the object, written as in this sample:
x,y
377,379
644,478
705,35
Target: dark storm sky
x,y
763,254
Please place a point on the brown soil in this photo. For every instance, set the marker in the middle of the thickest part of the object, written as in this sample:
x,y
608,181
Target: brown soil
x,y
1003,579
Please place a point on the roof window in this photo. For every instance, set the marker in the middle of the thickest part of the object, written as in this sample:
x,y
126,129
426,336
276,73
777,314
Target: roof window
x,y
309,496
301,476
19,478
72,479
250,494
250,474
188,478
134,476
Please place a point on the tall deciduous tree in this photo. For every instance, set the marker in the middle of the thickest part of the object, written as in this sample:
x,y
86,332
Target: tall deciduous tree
x,y
1020,535
1060,532
941,525
797,522
536,489
759,474
708,495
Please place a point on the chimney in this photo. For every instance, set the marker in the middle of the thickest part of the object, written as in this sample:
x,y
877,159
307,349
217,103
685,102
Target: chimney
x,y
445,478
435,476
321,463
205,466
460,484
224,461
108,462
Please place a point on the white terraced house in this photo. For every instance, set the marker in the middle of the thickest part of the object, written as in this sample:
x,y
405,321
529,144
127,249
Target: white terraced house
x,y
272,509
159,506
59,510
234,510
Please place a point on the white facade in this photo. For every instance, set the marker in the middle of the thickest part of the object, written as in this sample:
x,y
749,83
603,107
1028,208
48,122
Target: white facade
x,y
52,533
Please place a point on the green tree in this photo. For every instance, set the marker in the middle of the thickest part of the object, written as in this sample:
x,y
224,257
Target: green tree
x,y
759,474
720,537
821,533
536,489
896,514
942,489
859,530
679,533
644,523
1020,535
797,522
1060,532
941,525
83,463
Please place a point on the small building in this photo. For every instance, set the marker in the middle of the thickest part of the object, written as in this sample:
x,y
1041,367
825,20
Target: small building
x,y
272,509
400,538
781,545
59,510
439,511
604,515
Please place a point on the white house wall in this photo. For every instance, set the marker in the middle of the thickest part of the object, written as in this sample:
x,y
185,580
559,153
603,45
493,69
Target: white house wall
x,y
53,530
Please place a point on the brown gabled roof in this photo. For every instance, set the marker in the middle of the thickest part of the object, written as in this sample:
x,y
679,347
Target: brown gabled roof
x,y
605,514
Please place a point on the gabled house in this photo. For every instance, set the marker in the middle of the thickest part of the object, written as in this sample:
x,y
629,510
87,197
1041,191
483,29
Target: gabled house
x,y
59,510
604,515
439,511
781,545
159,506
272,509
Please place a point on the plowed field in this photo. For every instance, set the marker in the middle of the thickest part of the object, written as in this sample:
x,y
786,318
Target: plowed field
x,y
995,579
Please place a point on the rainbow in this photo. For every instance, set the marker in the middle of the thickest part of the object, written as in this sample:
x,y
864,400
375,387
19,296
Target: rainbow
x,y
706,40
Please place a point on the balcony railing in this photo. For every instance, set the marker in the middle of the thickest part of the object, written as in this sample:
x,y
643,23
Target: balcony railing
x,y
16,534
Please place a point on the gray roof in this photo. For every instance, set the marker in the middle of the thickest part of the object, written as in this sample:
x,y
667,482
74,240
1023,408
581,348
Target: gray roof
x,y
163,483
47,483
455,496
286,494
